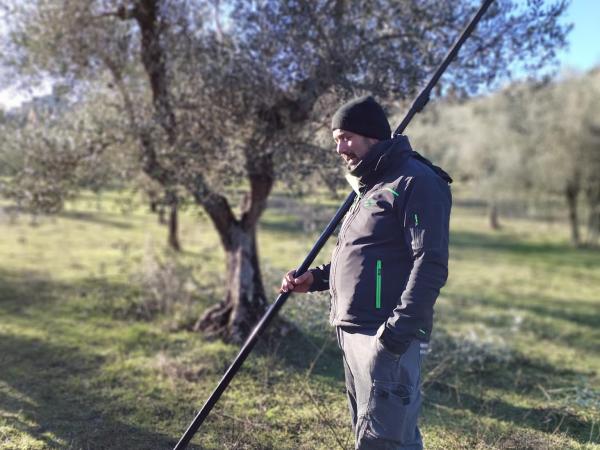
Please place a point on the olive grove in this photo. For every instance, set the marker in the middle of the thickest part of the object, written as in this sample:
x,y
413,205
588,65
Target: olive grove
x,y
200,95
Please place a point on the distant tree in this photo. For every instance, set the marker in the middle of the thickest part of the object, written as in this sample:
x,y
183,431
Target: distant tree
x,y
592,149
214,102
564,143
477,143
50,154
528,140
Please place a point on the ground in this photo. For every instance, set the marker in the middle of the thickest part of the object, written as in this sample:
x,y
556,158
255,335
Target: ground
x,y
95,351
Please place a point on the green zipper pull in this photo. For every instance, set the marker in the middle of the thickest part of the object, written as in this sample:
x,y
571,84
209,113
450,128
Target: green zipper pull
x,y
378,286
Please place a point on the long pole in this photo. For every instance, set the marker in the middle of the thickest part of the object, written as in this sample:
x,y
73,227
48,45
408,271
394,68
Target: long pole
x,y
417,106
421,100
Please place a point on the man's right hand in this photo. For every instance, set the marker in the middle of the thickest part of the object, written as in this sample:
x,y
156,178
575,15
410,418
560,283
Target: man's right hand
x,y
300,284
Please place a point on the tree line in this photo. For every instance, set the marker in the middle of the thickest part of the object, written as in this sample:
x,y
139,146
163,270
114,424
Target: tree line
x,y
529,142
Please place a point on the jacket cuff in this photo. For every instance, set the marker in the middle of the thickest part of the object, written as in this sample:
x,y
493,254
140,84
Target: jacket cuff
x,y
390,342
320,281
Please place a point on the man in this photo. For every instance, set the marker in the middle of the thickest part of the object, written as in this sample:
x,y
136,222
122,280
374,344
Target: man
x,y
386,271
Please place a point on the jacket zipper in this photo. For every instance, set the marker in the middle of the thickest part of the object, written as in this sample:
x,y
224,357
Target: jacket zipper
x,y
378,286
354,208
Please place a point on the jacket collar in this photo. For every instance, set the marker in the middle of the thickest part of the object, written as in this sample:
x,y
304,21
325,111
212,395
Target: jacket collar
x,y
380,156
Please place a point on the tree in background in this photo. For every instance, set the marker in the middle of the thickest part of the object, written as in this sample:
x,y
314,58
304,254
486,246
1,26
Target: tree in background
x,y
50,152
530,141
466,137
213,98
563,128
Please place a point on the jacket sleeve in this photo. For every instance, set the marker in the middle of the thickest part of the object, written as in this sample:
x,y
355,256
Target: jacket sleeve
x,y
321,278
425,217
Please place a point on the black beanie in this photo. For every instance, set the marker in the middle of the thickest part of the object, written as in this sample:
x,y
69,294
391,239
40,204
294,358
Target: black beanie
x,y
362,116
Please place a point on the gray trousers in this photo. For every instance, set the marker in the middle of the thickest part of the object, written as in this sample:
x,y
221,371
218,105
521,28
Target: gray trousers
x,y
383,391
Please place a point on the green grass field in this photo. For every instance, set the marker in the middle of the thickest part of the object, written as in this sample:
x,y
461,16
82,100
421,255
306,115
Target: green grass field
x,y
88,361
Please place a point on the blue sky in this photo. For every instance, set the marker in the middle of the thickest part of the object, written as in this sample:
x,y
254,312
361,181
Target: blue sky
x,y
584,49
583,52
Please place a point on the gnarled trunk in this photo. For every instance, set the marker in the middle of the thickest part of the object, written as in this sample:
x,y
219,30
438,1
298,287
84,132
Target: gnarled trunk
x,y
245,300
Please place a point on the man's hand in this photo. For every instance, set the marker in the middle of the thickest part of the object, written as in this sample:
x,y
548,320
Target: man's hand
x,y
300,284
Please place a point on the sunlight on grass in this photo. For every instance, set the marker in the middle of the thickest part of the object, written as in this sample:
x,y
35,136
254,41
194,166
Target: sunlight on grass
x,y
514,361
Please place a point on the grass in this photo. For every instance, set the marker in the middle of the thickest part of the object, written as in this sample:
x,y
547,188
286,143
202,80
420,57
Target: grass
x,y
514,362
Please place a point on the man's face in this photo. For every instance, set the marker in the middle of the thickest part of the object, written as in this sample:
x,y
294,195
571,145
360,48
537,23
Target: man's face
x,y
352,147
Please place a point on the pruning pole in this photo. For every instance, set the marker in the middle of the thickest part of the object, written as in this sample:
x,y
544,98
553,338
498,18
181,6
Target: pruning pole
x,y
417,105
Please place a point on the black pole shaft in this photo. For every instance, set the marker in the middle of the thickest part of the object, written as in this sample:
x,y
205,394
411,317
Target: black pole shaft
x,y
423,97
417,106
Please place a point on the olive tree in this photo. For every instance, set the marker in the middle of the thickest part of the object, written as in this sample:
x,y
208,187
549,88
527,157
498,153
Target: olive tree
x,y
564,134
530,140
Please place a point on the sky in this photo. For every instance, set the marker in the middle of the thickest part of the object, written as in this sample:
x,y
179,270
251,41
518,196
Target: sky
x,y
584,39
583,52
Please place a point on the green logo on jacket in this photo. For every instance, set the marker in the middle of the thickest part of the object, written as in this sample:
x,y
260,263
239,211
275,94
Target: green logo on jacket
x,y
370,201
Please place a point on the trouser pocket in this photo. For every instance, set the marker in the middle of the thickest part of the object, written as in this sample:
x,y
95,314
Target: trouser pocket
x,y
389,413
393,405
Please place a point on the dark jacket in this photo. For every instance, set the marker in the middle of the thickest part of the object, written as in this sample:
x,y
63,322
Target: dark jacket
x,y
391,257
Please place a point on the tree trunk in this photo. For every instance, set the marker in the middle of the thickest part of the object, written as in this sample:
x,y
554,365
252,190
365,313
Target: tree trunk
x,y
174,229
245,301
153,200
161,215
593,201
571,194
493,216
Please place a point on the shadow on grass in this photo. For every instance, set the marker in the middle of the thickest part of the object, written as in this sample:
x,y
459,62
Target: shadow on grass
x,y
282,224
295,218
560,255
23,290
49,396
56,393
543,315
580,312
99,219
302,352
60,410
483,388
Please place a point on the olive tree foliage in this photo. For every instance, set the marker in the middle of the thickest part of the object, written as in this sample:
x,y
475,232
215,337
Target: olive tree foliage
x,y
476,141
218,92
591,172
564,144
49,156
11,158
528,142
